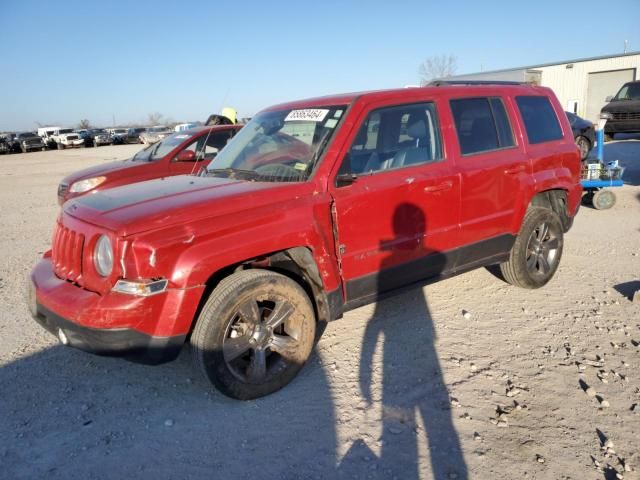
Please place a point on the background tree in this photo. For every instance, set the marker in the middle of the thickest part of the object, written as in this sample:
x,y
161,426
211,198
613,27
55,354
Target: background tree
x,y
154,118
437,66
84,124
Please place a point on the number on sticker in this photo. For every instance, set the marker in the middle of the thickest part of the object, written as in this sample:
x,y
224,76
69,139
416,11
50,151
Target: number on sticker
x,y
308,115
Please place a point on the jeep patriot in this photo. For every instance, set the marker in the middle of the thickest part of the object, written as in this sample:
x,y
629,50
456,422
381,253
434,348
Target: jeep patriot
x,y
314,208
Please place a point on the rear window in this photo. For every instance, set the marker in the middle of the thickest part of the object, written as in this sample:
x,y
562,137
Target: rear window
x,y
481,124
540,120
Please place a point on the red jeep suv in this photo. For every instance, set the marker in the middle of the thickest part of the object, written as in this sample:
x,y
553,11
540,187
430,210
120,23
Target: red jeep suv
x,y
314,208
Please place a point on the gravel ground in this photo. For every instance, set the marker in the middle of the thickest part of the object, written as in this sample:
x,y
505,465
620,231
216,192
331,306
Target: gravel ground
x,y
538,384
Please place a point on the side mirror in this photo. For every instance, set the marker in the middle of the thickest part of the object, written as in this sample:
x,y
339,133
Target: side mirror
x,y
186,156
608,99
345,179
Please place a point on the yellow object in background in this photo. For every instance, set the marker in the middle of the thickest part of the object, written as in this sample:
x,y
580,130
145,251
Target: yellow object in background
x,y
230,113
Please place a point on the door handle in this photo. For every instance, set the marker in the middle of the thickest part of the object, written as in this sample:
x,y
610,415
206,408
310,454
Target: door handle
x,y
439,187
514,170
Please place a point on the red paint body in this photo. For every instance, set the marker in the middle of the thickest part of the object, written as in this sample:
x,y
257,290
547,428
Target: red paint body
x,y
124,172
188,229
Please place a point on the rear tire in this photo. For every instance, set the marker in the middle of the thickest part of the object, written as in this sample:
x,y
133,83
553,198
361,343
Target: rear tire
x,y
254,334
584,145
536,253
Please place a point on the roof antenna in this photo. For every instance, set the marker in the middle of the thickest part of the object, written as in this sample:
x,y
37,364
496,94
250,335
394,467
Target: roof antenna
x,y
626,44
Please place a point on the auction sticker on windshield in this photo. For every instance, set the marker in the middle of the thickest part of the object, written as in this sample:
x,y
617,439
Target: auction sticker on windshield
x,y
309,114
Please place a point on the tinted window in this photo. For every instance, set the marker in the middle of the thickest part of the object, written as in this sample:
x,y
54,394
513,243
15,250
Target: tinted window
x,y
482,124
539,118
505,135
395,137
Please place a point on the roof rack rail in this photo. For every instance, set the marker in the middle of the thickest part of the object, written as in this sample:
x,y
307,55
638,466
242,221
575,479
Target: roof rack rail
x,y
438,83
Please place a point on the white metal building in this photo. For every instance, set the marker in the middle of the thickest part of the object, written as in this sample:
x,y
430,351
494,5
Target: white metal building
x,y
582,85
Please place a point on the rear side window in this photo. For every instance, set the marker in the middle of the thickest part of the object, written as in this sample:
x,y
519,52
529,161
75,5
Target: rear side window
x,y
539,118
481,124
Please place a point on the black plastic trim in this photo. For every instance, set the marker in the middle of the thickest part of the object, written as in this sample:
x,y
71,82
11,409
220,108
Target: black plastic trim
x,y
430,269
130,344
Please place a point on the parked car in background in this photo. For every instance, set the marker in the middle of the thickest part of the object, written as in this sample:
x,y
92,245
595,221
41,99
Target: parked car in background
x,y
184,126
281,234
100,137
4,146
584,133
60,138
29,141
133,134
12,144
180,153
118,135
155,134
623,111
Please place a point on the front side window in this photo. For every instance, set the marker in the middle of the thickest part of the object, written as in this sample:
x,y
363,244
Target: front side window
x,y
207,146
279,146
482,124
539,118
395,137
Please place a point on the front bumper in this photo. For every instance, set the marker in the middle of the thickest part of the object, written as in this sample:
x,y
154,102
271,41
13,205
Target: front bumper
x,y
622,126
149,330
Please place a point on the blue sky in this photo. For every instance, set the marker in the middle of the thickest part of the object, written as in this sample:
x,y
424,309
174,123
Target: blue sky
x,y
68,60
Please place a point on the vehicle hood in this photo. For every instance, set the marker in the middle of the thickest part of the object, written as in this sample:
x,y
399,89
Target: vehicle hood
x,y
164,202
98,170
622,106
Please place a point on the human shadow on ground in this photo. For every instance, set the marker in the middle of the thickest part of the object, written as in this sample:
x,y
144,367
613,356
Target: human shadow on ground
x,y
415,401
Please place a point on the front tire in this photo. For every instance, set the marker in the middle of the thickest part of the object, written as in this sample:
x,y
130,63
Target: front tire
x,y
254,334
536,253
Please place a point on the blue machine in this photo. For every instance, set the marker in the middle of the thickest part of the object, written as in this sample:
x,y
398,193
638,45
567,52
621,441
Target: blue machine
x,y
598,176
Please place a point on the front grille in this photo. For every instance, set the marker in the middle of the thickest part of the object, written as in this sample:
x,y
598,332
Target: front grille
x,y
33,141
66,254
626,115
62,189
72,137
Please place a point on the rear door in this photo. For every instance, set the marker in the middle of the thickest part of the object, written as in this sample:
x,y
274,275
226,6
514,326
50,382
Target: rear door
x,y
493,168
398,219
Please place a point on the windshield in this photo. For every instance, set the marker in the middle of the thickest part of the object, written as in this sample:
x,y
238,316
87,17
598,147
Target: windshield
x,y
119,130
630,91
65,130
160,149
279,146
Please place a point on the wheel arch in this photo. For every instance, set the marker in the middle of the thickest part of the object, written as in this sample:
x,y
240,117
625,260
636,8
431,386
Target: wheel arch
x,y
296,263
556,200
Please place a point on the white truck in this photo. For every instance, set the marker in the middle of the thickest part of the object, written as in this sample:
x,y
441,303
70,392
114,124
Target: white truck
x,y
60,138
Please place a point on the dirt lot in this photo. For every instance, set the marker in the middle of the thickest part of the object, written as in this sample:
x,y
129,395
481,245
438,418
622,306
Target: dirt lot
x,y
529,384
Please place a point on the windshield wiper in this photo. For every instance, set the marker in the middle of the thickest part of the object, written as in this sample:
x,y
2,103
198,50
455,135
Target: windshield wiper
x,y
234,173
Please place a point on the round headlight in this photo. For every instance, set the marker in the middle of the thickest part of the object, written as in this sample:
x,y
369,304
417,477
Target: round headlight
x,y
103,256
86,184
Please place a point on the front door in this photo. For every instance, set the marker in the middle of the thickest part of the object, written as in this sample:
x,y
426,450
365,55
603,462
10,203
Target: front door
x,y
397,221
